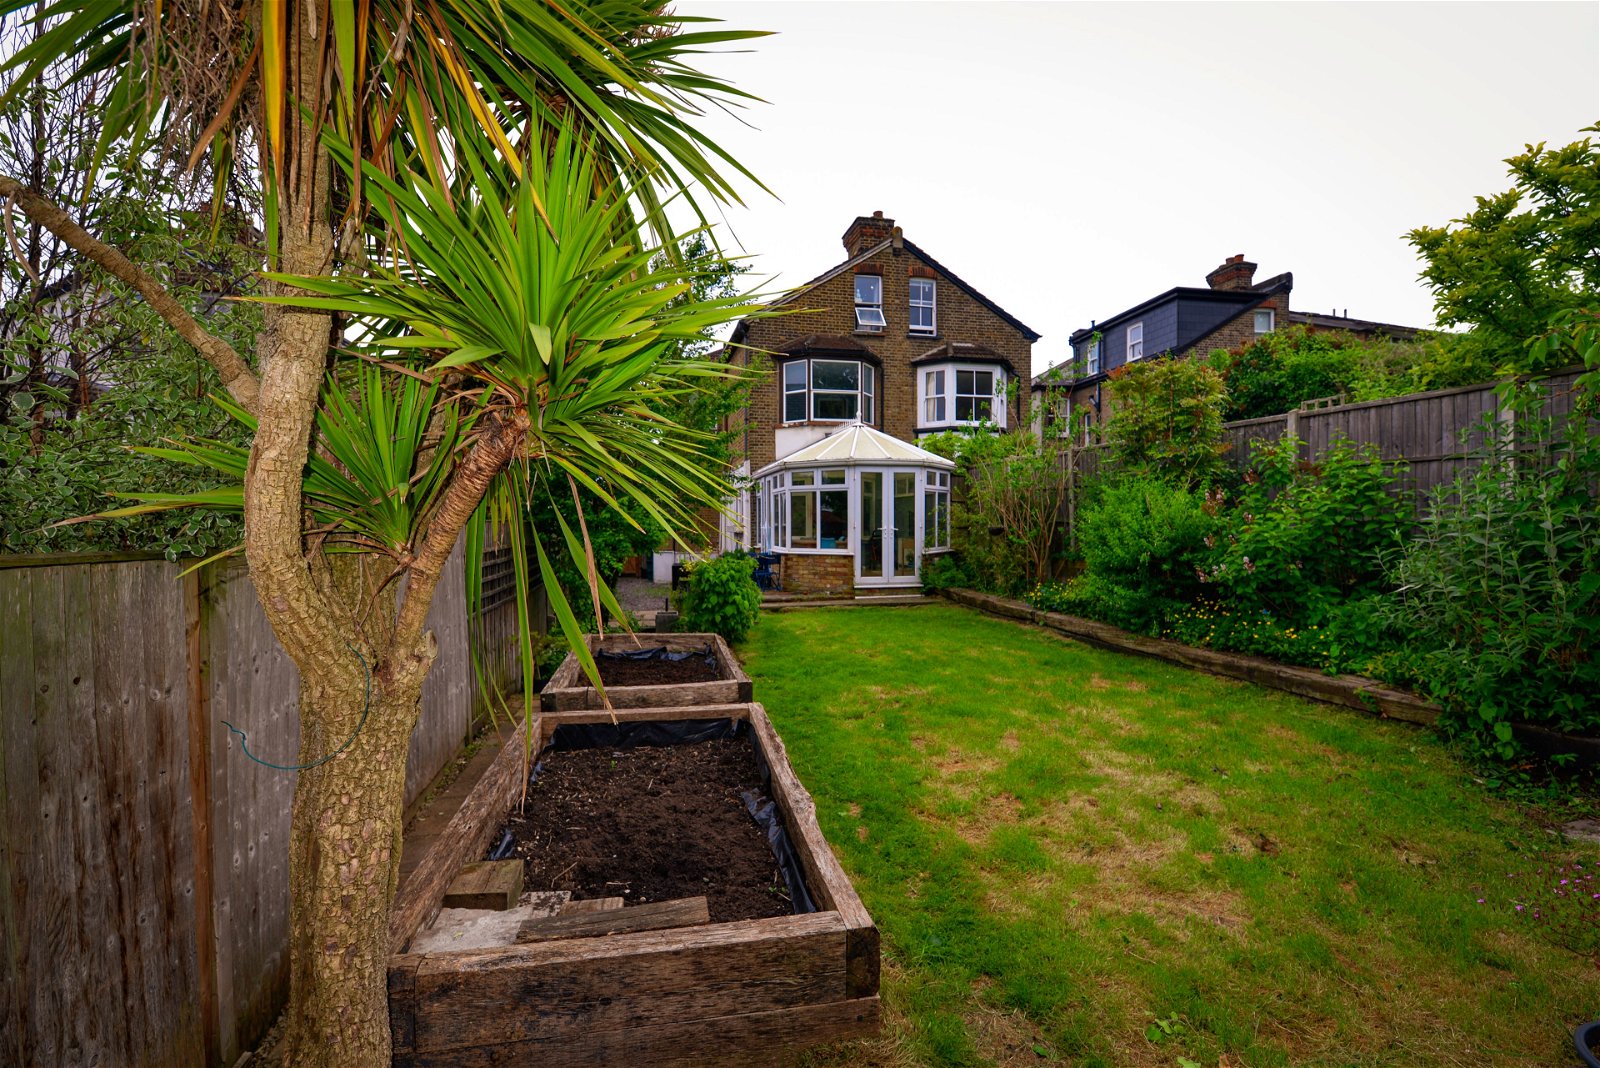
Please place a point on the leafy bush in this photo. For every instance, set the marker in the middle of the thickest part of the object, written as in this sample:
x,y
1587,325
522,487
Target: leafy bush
x,y
944,572
1166,420
722,597
1012,488
1279,371
1141,541
1093,597
1499,594
1306,536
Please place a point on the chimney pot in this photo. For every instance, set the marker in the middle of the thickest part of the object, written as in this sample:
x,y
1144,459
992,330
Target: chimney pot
x,y
1235,273
867,231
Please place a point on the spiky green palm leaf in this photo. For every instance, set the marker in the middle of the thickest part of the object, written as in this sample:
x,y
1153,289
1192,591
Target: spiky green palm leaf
x,y
196,77
518,288
384,450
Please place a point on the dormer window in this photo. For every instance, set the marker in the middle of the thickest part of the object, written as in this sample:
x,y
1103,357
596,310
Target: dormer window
x,y
869,303
829,391
1136,342
1093,354
923,310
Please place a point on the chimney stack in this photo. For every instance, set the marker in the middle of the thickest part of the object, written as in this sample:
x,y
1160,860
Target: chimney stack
x,y
1235,273
866,232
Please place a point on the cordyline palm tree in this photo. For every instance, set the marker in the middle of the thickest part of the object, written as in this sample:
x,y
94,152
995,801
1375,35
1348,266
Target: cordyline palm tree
x,y
460,313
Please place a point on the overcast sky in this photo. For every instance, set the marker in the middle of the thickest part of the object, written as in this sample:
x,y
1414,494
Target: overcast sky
x,y
1071,160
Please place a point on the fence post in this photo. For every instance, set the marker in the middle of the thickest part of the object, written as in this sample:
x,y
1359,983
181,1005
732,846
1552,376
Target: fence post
x,y
199,686
1291,429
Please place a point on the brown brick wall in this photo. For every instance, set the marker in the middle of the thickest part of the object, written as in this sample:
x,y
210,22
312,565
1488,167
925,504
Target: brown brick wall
x,y
1241,330
830,309
816,573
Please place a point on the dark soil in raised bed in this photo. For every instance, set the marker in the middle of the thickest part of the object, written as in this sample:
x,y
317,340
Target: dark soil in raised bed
x,y
651,823
619,671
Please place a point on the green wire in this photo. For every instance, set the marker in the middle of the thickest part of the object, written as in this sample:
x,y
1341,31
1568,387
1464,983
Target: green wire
x,y
366,706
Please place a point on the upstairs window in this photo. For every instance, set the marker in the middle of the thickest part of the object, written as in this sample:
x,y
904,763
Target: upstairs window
x,y
829,391
924,312
1093,354
1264,321
1135,342
869,303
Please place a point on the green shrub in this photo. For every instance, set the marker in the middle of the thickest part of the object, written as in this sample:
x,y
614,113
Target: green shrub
x,y
1306,536
944,572
1498,596
722,597
1166,420
1142,541
1094,597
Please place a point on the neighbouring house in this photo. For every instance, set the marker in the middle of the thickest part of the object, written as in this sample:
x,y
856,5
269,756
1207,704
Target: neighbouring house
x,y
881,349
1232,310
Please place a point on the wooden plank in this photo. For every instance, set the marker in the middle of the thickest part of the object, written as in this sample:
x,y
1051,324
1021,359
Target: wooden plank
x,y
119,724
569,690
166,844
620,981
825,876
552,720
747,1040
19,860
486,884
464,839
650,916
590,904
53,908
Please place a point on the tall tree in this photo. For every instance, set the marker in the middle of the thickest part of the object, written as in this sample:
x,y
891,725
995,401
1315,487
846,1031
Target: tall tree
x,y
1523,258
459,313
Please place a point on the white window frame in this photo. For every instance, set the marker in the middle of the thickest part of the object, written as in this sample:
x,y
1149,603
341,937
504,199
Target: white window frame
x,y
948,377
1272,320
1086,424
1135,341
935,510
996,387
931,303
934,400
869,313
1094,357
866,392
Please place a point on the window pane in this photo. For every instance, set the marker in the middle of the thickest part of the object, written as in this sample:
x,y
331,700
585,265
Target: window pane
x,y
804,478
794,374
964,382
964,408
983,383
835,374
833,478
905,531
983,407
834,406
930,515
922,319
803,520
869,289
794,407
834,520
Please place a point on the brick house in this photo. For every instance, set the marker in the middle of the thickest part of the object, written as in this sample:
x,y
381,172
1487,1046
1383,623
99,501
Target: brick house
x,y
883,348
1231,311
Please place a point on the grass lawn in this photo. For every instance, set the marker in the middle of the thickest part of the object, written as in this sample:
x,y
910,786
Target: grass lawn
x,y
1090,858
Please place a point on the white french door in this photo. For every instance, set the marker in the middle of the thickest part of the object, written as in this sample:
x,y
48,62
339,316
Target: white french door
x,y
888,536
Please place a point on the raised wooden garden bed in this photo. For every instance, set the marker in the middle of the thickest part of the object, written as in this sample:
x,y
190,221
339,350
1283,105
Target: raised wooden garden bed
x,y
569,689
746,992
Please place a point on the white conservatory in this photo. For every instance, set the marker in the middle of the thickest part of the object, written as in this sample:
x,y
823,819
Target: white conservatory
x,y
857,509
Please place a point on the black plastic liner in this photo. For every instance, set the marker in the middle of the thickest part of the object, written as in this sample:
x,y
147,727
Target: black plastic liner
x,y
759,804
661,652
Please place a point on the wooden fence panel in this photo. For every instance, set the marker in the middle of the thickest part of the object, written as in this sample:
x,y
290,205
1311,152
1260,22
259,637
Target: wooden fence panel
x,y
101,963
144,883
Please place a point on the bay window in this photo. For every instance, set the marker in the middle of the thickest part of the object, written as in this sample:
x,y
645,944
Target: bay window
x,y
956,394
829,391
